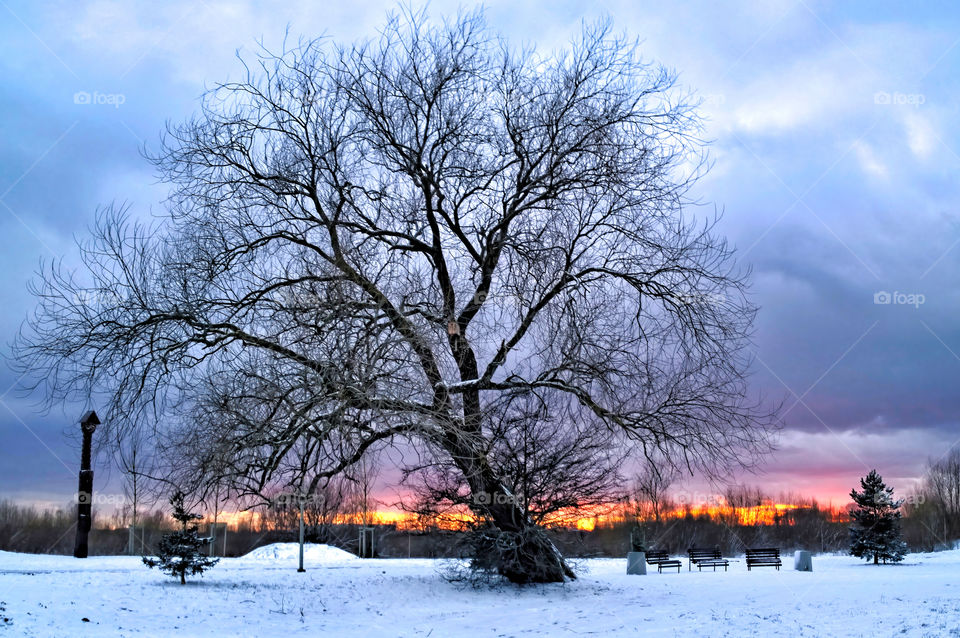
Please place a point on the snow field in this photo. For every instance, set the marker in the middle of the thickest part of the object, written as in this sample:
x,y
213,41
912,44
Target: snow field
x,y
261,594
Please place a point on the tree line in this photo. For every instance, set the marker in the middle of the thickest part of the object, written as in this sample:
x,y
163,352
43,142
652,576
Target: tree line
x,y
933,508
931,522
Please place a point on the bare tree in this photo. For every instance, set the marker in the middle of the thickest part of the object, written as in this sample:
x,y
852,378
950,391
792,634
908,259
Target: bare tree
x,y
362,477
132,487
324,510
943,482
936,502
378,241
134,455
738,496
651,489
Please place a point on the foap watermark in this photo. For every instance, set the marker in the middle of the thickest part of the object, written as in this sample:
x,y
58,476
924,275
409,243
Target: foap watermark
x,y
701,499
899,99
713,99
897,298
911,499
97,98
699,298
294,499
486,498
97,498
500,297
97,298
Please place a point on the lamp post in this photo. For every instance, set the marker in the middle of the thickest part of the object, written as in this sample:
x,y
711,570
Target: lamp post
x,y
300,501
88,423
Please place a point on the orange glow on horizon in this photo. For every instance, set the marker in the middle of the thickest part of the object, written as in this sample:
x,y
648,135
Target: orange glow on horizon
x,y
584,519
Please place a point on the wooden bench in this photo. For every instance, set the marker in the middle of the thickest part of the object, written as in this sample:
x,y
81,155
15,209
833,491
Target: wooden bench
x,y
661,558
696,555
763,557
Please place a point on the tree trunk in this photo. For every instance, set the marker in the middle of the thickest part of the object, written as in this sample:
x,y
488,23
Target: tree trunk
x,y
533,556
537,559
527,555
876,559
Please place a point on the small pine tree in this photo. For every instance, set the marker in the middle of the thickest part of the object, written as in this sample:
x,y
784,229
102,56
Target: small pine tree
x,y
182,552
877,531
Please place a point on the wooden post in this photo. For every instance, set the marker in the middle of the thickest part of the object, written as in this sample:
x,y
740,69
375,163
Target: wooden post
x,y
366,542
88,424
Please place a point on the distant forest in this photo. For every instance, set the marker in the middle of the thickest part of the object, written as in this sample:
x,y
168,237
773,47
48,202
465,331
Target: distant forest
x,y
745,517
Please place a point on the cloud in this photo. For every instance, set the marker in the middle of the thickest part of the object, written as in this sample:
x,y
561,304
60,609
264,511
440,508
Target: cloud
x,y
921,136
871,164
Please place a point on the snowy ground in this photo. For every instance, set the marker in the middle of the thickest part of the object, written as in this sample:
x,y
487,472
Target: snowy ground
x,y
339,595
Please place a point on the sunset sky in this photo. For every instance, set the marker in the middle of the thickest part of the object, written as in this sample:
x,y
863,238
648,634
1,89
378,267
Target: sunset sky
x,y
835,142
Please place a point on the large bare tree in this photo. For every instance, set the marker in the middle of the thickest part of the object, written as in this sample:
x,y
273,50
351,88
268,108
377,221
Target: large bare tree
x,y
377,241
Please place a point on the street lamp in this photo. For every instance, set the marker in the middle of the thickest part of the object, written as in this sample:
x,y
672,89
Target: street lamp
x,y
300,499
88,423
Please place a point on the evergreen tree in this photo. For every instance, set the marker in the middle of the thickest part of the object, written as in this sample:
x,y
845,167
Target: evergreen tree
x,y
182,552
877,531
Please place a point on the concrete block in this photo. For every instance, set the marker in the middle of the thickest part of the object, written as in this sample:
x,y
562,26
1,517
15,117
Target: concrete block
x,y
637,563
803,561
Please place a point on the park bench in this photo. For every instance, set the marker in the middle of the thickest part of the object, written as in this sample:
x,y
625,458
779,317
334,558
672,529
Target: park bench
x,y
662,560
705,557
763,557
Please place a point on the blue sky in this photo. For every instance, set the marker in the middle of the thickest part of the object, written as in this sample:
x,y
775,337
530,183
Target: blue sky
x,y
835,142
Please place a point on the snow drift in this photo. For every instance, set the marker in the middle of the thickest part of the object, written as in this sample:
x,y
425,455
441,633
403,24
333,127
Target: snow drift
x,y
282,552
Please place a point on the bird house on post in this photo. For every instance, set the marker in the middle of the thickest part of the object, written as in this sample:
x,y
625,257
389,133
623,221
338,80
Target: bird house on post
x,y
88,423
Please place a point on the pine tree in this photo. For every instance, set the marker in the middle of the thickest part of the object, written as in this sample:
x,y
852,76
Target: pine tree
x,y
182,552
877,531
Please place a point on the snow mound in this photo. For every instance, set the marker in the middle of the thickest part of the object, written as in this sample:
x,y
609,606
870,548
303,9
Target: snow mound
x,y
291,552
